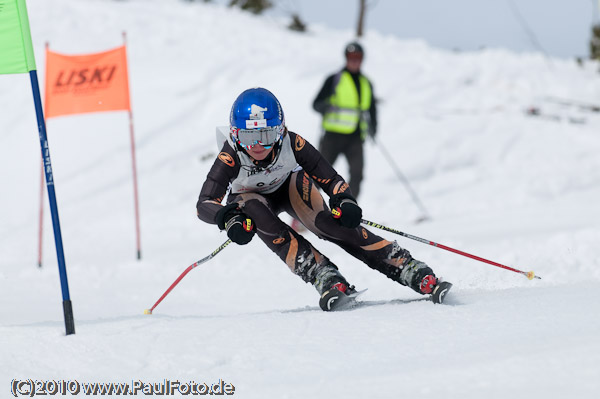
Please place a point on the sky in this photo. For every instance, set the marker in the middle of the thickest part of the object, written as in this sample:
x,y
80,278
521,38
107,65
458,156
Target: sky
x,y
559,28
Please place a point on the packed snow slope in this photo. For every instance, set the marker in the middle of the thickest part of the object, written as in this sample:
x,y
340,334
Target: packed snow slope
x,y
520,190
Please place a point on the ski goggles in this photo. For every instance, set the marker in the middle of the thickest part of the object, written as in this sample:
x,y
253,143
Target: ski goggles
x,y
266,136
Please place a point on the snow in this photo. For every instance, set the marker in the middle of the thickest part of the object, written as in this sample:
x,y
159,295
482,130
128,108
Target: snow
x,y
519,190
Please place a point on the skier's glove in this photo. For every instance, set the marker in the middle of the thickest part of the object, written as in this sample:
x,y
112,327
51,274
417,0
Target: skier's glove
x,y
240,228
345,209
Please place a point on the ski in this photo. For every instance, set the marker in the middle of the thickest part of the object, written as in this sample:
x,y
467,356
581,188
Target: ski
x,y
439,292
334,300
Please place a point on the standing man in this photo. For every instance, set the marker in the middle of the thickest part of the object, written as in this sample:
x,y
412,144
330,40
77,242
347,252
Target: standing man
x,y
347,104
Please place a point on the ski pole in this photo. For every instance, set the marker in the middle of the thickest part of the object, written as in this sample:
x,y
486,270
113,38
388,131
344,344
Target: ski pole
x,y
186,271
530,275
404,180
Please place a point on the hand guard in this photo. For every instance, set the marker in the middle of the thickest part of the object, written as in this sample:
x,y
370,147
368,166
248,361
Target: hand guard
x,y
345,209
240,228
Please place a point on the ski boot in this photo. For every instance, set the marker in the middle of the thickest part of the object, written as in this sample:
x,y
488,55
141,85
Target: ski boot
x,y
336,293
439,291
421,278
436,287
339,297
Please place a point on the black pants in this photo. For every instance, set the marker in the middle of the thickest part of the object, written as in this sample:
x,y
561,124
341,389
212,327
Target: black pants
x,y
301,199
351,145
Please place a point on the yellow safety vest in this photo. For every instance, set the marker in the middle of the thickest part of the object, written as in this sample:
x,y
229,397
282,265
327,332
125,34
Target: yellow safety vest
x,y
344,112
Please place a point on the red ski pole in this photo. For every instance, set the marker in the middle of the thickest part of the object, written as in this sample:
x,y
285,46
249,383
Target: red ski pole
x,y
530,275
186,271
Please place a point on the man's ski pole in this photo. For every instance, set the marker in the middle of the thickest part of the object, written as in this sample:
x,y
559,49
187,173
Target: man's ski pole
x,y
404,180
530,275
186,271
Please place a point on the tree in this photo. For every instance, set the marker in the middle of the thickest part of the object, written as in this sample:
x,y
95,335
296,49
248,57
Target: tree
x,y
297,24
361,17
595,43
254,6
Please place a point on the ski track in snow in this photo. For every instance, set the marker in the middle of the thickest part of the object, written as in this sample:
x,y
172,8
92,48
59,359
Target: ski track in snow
x,y
520,190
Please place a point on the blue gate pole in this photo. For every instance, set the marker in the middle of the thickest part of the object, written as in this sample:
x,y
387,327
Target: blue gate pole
x,y
62,269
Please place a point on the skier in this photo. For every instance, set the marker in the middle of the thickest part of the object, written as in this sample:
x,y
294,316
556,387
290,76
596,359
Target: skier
x,y
266,169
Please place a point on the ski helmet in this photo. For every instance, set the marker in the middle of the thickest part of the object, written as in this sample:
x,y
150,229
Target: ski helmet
x,y
354,48
256,118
